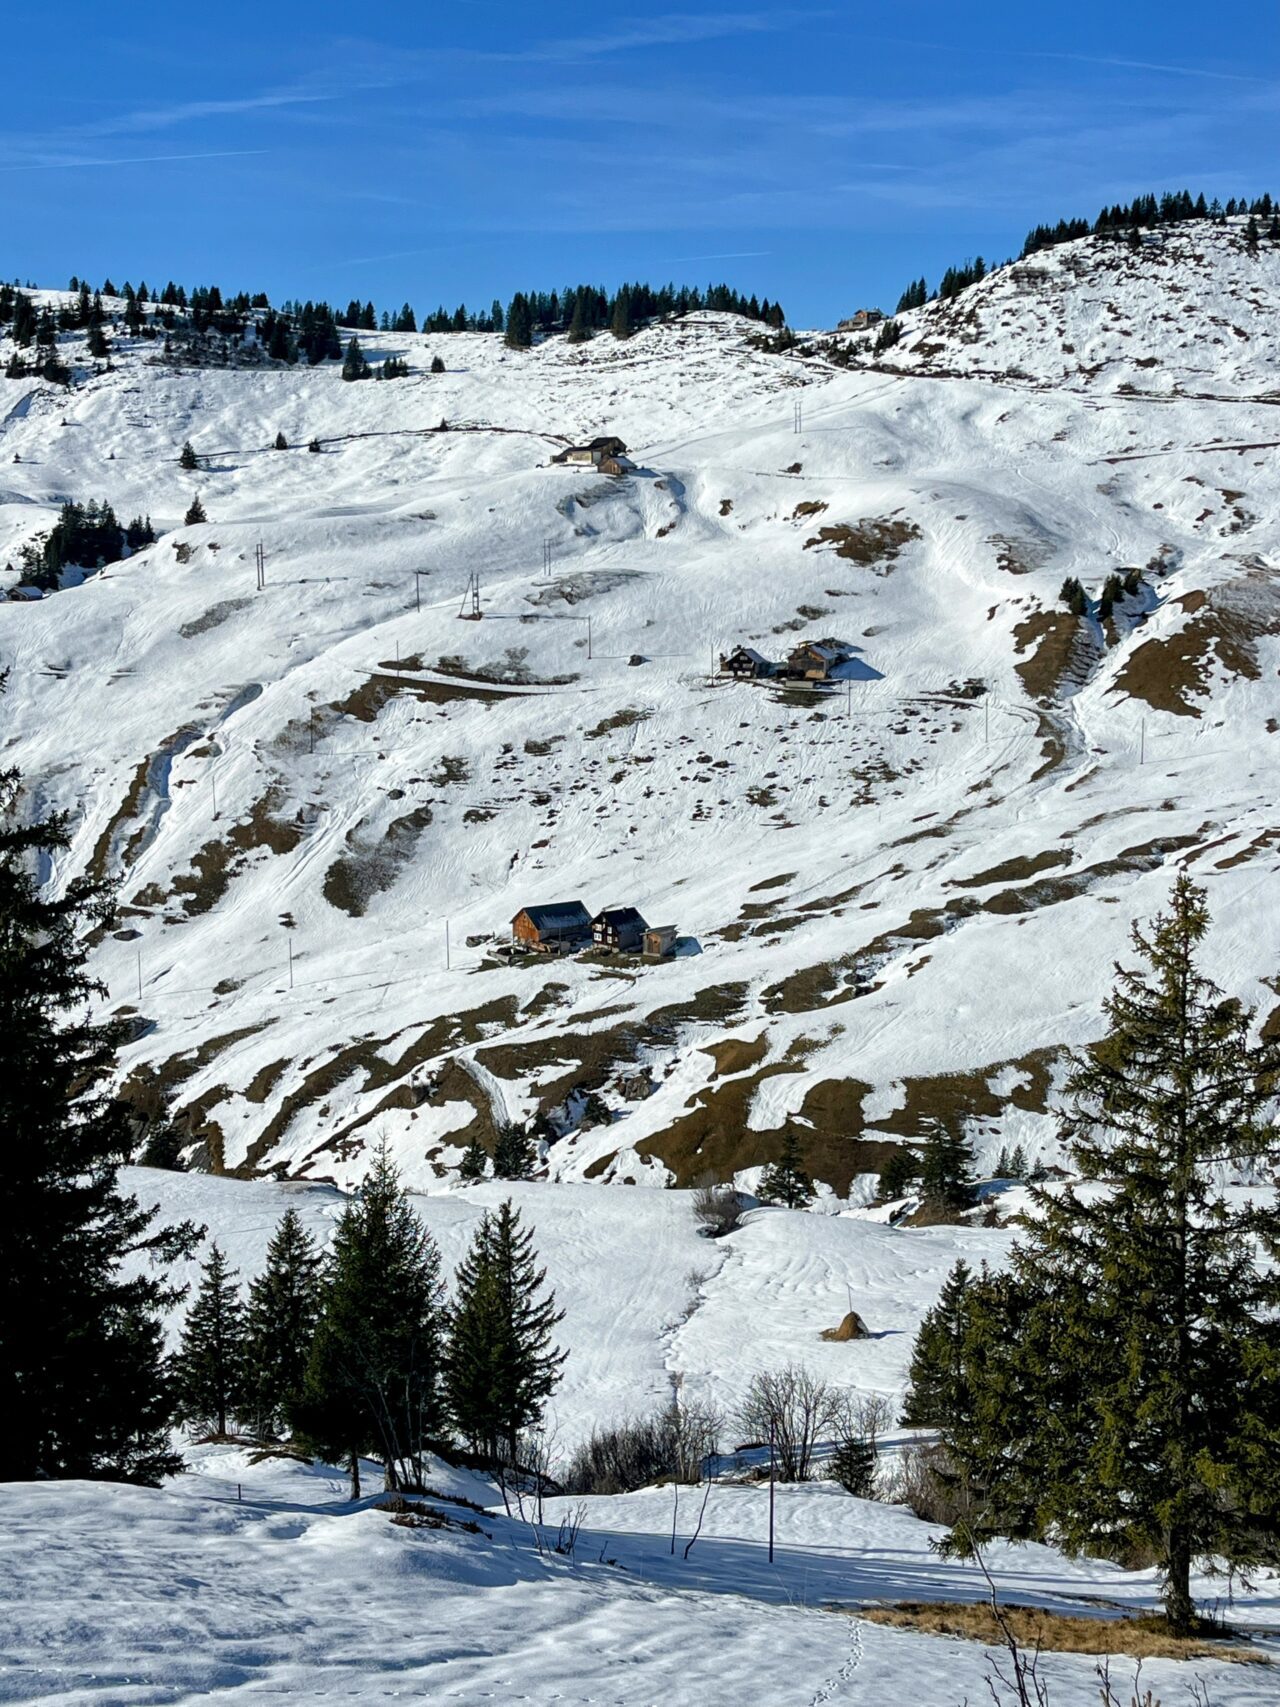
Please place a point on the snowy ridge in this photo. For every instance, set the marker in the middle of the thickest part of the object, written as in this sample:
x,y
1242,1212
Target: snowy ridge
x,y
899,899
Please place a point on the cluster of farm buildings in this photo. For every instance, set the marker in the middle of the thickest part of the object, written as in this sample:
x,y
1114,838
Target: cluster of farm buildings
x,y
567,927
813,661
607,453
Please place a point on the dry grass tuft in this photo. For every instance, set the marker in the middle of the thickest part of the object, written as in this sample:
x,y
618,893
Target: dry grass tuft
x,y
1060,1632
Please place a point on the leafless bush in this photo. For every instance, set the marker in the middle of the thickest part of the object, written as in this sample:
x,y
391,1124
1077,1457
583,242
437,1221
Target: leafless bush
x,y
672,1445
797,1410
867,1416
718,1209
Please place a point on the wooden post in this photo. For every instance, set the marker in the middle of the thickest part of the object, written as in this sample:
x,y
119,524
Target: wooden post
x,y
772,1429
289,946
447,960
139,977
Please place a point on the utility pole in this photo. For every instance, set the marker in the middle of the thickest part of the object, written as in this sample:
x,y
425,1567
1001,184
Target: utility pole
x,y
139,977
848,699
772,1431
260,561
797,418
1142,742
213,778
986,720
546,559
447,959
289,945
588,637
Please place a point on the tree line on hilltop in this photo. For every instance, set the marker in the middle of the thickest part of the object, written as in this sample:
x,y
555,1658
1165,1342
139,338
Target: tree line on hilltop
x,y
189,323
1121,220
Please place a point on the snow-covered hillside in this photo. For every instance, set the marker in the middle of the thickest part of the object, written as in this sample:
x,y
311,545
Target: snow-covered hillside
x,y
259,1579
897,900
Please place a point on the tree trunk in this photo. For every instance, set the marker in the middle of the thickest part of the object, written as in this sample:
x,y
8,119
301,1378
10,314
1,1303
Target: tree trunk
x,y
354,1467
1179,1607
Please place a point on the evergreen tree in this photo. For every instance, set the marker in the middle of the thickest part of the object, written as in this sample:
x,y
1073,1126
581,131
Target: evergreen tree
x,y
936,1393
354,365
475,1161
1018,1163
82,1385
1126,1386
620,325
579,330
437,364
946,1170
501,1366
373,1377
282,443
785,1181
519,332
188,459
853,1465
195,512
208,1371
898,1174
513,1153
280,1325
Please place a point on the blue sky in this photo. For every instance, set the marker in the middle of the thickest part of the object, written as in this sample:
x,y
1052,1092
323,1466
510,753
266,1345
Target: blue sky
x,y
822,155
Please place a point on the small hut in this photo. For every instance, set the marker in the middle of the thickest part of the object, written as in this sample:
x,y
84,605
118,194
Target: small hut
x,y
659,942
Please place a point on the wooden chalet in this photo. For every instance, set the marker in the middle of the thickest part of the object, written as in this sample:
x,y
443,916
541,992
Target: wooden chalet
x,y
746,664
558,928
659,941
616,465
817,660
591,455
621,930
860,321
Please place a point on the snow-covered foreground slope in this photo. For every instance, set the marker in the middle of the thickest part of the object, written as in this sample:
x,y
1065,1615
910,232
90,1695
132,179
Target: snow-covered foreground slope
x,y
262,1582
896,902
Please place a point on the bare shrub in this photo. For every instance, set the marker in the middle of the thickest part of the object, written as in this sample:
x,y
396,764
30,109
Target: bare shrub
x,y
928,1483
795,1409
672,1445
718,1209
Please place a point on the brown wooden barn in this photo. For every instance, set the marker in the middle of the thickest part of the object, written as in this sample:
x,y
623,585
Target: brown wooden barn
x,y
619,929
558,928
817,660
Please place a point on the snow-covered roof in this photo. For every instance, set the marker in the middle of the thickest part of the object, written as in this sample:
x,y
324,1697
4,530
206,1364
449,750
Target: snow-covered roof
x,y
557,916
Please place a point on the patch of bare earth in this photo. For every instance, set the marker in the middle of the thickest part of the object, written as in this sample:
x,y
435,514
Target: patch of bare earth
x,y
1223,629
874,542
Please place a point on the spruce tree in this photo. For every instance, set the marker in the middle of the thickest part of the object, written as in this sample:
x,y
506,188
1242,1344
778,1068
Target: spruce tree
x,y
354,365
373,1377
853,1465
513,1154
519,332
501,1366
195,512
82,1384
188,459
936,1394
208,1370
437,364
1126,1387
620,325
281,443
475,1161
946,1170
898,1174
785,1182
579,330
280,1325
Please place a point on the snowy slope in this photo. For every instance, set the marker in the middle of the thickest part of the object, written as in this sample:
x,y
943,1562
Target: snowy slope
x,y
897,901
262,1582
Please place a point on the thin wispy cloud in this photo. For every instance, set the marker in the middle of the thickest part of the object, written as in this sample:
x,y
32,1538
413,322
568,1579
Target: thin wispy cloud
x,y
673,29
73,163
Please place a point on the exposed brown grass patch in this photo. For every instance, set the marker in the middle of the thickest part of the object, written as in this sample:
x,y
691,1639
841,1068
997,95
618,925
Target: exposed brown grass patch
x,y
1021,866
1059,1632
872,541
1224,628
1056,640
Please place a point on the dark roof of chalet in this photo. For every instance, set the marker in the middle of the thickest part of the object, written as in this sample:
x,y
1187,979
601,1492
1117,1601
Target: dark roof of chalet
x,y
620,918
605,442
749,652
558,916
